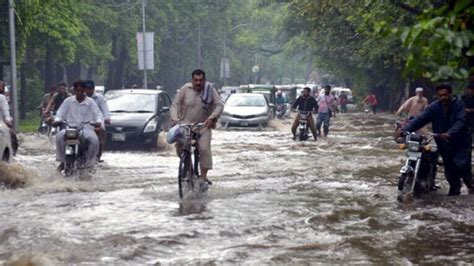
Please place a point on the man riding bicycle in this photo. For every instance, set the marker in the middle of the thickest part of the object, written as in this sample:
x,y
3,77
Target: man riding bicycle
x,y
198,102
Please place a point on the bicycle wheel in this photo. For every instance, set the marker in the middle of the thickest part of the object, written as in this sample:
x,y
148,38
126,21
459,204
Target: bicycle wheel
x,y
181,173
196,163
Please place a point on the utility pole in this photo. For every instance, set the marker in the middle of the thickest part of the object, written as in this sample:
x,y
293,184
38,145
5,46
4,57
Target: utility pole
x,y
145,79
13,88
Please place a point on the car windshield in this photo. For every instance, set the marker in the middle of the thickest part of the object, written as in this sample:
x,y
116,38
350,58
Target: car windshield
x,y
246,100
131,103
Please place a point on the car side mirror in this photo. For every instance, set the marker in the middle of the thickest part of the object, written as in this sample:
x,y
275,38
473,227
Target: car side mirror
x,y
271,105
165,109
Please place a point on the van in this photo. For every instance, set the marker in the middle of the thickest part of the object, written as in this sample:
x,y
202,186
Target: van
x,y
337,91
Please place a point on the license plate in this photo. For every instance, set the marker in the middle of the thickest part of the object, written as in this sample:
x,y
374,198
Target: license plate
x,y
118,136
244,123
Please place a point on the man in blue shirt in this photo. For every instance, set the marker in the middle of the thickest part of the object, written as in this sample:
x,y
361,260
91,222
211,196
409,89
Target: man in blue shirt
x,y
448,118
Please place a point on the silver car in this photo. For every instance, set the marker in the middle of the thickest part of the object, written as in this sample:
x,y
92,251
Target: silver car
x,y
6,150
245,109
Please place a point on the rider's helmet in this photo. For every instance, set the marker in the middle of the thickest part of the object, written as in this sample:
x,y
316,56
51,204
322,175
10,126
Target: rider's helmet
x,y
174,134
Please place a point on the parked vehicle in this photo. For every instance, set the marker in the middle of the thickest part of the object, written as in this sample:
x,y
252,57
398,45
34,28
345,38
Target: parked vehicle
x,y
226,91
6,150
417,176
302,133
337,91
246,109
137,117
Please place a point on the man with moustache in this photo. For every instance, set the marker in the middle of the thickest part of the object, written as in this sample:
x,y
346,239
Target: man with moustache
x,y
448,119
198,102
76,111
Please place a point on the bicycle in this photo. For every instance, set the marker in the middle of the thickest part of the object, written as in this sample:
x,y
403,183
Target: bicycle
x,y
189,158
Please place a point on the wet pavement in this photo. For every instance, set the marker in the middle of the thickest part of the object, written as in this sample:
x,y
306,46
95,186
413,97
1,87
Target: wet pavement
x,y
274,201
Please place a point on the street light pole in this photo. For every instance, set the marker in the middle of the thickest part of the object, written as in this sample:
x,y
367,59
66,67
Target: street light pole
x,y
13,88
145,79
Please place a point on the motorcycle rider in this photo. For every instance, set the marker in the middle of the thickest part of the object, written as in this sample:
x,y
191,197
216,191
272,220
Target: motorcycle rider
x,y
76,111
198,102
104,109
44,103
281,101
305,103
448,118
326,103
57,99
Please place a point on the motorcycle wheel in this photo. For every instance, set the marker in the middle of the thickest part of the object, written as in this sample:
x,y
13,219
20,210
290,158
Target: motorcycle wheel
x,y
302,135
404,187
69,165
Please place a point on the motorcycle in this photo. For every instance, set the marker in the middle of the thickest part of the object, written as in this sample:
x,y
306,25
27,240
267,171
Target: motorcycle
x,y
44,128
303,127
417,176
75,150
280,111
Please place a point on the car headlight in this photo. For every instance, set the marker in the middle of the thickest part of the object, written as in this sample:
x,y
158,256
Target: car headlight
x,y
226,113
262,114
151,126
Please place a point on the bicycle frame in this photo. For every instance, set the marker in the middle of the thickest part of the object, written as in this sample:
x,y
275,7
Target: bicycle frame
x,y
189,158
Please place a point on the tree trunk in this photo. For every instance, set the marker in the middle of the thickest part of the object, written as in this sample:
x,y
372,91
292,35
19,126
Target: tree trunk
x,y
73,72
49,73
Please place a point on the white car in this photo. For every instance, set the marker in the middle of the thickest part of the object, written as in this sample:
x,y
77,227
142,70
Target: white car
x,y
245,109
6,150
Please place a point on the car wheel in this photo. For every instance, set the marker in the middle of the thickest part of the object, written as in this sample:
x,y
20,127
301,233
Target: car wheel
x,y
6,156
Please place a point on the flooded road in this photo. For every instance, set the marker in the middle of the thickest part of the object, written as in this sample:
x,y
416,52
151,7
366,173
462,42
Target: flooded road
x,y
274,201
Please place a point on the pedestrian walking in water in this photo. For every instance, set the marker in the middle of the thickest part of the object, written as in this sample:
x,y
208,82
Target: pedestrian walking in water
x,y
326,103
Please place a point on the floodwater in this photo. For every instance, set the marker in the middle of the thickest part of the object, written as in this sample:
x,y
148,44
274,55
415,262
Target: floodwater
x,y
274,201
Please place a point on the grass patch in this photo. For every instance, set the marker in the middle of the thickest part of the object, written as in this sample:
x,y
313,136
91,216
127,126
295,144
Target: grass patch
x,y
30,124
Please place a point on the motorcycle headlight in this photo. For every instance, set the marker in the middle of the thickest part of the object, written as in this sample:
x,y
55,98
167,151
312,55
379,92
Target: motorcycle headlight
x,y
151,126
413,146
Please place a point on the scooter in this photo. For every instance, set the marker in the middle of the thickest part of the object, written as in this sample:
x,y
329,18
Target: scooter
x,y
417,176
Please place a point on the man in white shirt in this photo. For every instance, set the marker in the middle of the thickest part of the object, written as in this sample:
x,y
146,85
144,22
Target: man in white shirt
x,y
5,111
104,109
76,111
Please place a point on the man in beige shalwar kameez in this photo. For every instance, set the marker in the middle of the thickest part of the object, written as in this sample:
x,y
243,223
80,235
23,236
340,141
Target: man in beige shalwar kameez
x,y
414,106
198,102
